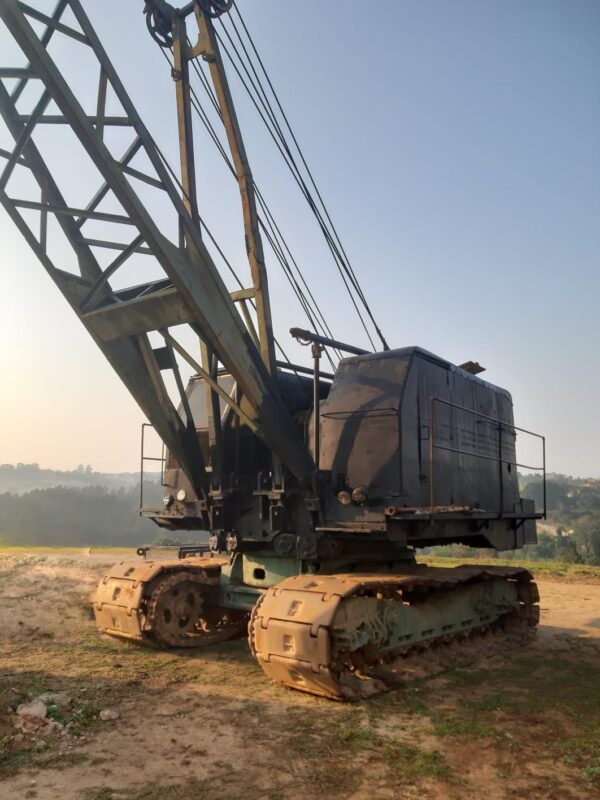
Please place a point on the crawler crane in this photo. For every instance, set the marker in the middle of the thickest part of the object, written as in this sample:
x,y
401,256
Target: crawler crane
x,y
316,487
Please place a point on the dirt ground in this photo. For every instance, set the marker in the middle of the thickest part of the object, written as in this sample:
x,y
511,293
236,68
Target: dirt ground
x,y
209,725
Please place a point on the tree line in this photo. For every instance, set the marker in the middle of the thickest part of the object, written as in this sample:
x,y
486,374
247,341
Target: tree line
x,y
21,478
96,514
69,516
571,532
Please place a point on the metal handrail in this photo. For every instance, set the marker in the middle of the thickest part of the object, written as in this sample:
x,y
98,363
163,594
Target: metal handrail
x,y
144,458
502,425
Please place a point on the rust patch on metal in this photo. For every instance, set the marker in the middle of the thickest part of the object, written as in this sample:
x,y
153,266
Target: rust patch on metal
x,y
164,603
291,630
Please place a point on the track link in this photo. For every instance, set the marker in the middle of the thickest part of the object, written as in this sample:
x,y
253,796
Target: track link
x,y
164,603
351,636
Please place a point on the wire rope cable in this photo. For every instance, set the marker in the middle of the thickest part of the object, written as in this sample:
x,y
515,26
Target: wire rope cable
x,y
269,226
253,78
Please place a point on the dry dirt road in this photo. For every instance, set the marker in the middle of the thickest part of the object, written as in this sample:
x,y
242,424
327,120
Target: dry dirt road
x,y
209,726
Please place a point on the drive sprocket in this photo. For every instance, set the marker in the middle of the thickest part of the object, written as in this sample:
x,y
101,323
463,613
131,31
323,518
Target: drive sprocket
x,y
165,603
180,614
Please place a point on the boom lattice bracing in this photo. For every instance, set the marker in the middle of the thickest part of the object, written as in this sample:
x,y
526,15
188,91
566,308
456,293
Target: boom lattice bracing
x,y
191,291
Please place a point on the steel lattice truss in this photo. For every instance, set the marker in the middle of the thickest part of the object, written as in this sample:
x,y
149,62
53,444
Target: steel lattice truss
x,y
190,290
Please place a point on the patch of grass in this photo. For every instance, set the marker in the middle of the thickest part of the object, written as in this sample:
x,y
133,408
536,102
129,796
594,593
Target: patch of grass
x,y
61,760
95,761
582,748
553,692
231,787
531,685
414,700
469,728
191,788
331,745
582,751
591,773
467,678
358,737
572,686
520,668
60,715
410,762
410,699
515,700
539,567
493,702
13,760
305,745
97,794
88,714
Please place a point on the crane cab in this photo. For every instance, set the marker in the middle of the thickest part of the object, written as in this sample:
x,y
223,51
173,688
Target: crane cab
x,y
413,451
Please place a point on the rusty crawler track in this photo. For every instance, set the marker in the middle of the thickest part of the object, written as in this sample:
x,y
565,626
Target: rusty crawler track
x,y
299,629
164,603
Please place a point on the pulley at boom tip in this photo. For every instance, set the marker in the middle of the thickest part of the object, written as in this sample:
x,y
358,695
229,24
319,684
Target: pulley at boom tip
x,y
161,15
248,73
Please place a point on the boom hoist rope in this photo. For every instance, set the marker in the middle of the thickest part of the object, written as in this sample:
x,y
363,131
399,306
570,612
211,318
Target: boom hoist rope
x,y
288,159
322,215
161,20
219,250
267,229
270,229
158,24
248,74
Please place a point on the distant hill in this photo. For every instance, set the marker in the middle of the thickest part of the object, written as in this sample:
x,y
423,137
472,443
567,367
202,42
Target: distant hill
x,y
567,498
21,478
572,530
85,507
79,507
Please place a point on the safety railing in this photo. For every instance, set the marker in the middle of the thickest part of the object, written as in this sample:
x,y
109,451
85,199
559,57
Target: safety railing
x,y
143,458
501,427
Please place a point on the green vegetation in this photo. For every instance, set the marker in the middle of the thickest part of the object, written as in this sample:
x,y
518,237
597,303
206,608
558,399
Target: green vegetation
x,y
469,728
533,708
407,761
561,693
570,535
83,508
189,788
13,760
92,515
21,478
401,758
80,507
592,771
455,557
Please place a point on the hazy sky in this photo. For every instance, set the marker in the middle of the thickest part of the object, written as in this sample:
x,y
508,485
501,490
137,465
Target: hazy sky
x,y
457,144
